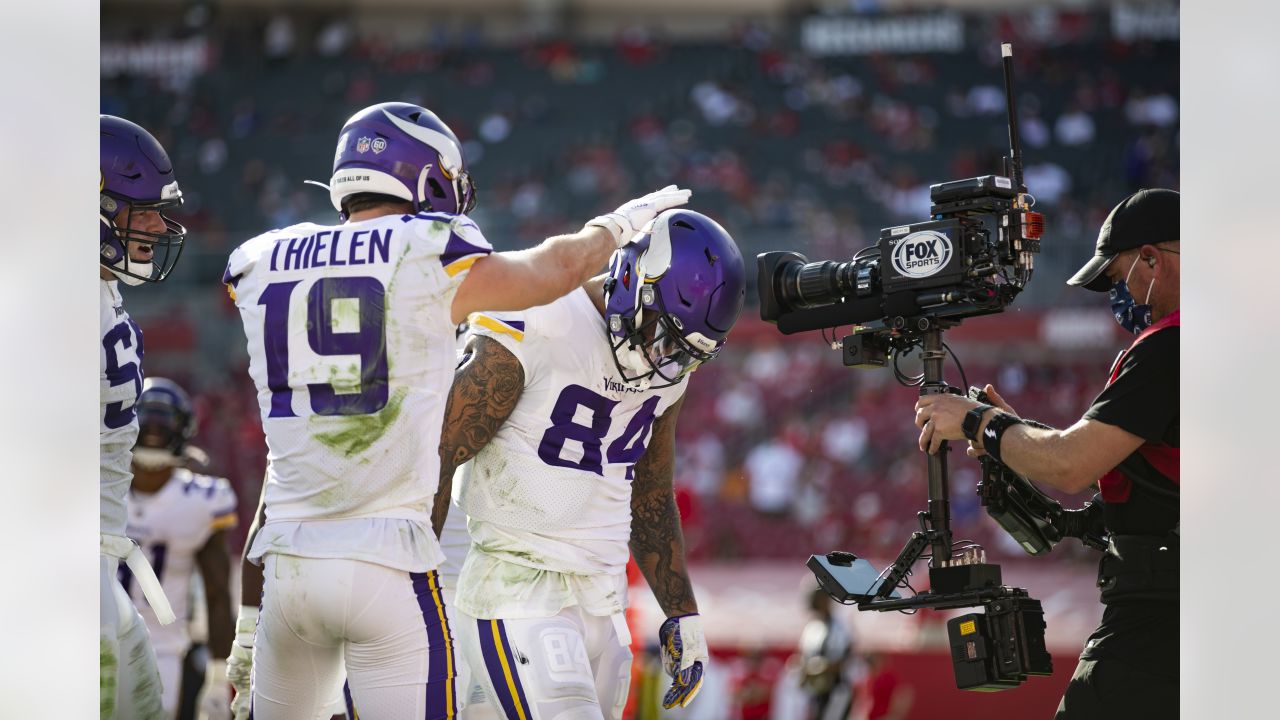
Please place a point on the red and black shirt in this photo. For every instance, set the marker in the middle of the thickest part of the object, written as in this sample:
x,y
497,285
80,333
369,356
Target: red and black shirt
x,y
1141,397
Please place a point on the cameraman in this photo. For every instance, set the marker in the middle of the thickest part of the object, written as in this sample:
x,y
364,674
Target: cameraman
x,y
1127,444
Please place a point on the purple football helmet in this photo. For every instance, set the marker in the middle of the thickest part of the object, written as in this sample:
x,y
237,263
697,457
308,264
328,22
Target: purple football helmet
x,y
136,176
166,416
665,316
404,151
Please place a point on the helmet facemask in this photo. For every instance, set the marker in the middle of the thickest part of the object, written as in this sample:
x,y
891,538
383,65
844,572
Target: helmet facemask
x,y
653,346
661,339
166,245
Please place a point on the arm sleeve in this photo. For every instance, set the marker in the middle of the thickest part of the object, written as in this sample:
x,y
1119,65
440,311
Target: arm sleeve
x,y
223,506
1143,399
464,246
510,329
242,260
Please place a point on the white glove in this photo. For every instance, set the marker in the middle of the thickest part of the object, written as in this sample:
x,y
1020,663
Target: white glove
x,y
627,220
684,655
215,696
239,667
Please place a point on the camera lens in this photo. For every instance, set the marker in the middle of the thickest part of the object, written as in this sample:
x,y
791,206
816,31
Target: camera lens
x,y
816,284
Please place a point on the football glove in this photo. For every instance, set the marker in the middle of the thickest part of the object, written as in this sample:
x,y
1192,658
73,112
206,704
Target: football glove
x,y
215,696
240,664
628,219
684,655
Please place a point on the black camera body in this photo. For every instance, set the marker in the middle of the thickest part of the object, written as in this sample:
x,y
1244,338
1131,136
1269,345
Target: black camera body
x,y
971,258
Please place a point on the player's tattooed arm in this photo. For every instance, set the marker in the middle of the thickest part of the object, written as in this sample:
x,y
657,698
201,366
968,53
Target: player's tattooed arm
x,y
486,387
657,542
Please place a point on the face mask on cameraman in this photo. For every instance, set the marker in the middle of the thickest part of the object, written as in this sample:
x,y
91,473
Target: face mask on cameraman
x,y
1132,317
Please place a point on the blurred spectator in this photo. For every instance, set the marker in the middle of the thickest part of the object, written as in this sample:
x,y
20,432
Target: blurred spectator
x,y
279,38
1051,181
826,649
882,695
754,679
844,439
1074,128
773,468
334,39
1159,110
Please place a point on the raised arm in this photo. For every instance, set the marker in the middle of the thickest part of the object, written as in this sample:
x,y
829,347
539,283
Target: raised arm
x,y
486,387
657,541
528,278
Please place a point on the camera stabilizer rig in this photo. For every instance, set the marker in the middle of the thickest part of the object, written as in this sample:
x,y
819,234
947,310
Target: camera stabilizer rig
x,y
993,650
972,257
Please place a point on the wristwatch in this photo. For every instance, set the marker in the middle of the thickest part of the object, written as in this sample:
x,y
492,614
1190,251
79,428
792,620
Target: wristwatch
x,y
973,420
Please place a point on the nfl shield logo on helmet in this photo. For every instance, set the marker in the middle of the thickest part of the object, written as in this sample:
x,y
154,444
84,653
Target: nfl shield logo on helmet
x,y
379,144
362,145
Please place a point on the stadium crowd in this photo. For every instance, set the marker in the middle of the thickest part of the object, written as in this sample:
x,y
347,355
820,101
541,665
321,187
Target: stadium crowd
x,y
787,149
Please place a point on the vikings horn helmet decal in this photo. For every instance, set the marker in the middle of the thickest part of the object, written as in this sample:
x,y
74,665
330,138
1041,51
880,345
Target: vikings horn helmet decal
x,y
403,151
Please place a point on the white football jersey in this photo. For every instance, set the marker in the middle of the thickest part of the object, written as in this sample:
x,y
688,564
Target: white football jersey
x,y
549,498
351,346
172,525
455,542
120,383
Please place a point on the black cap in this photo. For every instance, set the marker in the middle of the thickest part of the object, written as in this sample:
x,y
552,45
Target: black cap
x,y
1147,216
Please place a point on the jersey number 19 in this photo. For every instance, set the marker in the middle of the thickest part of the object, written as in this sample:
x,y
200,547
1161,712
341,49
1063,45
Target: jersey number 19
x,y
368,340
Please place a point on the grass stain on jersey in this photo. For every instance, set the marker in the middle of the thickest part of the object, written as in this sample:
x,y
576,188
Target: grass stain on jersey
x,y
107,671
351,435
345,381
529,562
147,704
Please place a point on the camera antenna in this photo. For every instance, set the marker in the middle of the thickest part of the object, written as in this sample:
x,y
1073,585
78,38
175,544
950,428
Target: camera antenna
x,y
1013,163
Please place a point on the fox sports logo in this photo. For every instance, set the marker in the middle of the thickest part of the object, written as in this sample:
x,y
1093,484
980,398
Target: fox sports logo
x,y
922,254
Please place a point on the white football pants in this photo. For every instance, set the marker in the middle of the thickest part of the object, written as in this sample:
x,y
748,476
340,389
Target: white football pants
x,y
572,666
170,666
387,626
130,684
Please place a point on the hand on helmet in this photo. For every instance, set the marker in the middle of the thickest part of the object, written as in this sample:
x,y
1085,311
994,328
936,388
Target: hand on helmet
x,y
628,219
684,655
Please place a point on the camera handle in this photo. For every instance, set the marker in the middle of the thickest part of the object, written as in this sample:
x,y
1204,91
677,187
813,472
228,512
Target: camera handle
x,y
935,523
939,515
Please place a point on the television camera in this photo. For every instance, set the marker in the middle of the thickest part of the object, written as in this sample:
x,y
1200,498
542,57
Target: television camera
x,y
972,257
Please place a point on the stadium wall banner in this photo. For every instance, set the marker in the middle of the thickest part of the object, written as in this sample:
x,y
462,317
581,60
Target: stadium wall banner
x,y
155,58
932,32
1144,21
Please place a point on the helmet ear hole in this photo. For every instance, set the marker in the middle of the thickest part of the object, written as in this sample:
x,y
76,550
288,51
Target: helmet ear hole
x,y
436,190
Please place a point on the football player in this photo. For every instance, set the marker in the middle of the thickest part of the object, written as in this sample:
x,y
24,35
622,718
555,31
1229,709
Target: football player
x,y
567,414
138,244
180,519
351,346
